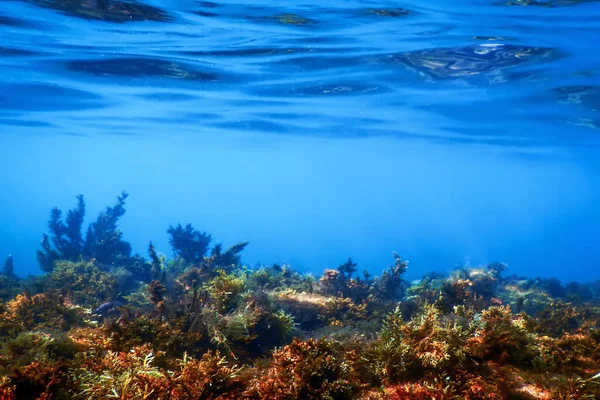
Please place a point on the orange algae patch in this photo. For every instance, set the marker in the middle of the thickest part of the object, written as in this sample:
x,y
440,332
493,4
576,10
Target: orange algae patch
x,y
535,392
90,339
303,297
514,288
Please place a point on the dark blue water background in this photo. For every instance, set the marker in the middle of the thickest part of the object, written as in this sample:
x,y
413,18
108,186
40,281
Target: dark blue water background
x,y
451,132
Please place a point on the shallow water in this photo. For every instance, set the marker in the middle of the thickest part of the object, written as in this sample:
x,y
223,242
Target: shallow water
x,y
450,133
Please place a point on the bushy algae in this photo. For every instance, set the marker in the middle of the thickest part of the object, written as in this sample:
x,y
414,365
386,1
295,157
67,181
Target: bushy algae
x,y
105,323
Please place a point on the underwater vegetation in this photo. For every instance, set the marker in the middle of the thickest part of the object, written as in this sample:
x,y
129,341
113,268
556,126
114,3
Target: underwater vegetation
x,y
104,323
102,241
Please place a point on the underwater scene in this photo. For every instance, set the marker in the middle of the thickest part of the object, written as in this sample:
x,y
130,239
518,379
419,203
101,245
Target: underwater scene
x,y
353,199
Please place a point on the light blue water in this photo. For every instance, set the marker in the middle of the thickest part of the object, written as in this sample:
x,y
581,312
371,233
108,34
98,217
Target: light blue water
x,y
450,132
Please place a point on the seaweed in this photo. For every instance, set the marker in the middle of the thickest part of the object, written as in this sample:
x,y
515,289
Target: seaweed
x,y
9,281
103,240
227,259
66,236
390,285
225,291
188,243
9,268
101,323
312,369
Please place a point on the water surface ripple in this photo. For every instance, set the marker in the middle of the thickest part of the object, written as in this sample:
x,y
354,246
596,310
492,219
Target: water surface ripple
x,y
518,72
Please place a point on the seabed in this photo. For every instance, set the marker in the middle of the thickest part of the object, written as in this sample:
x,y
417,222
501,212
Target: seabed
x,y
101,323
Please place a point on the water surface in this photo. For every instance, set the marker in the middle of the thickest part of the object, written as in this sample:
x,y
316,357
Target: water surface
x,y
451,133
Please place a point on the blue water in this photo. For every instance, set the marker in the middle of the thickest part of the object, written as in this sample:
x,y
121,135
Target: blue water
x,y
455,133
